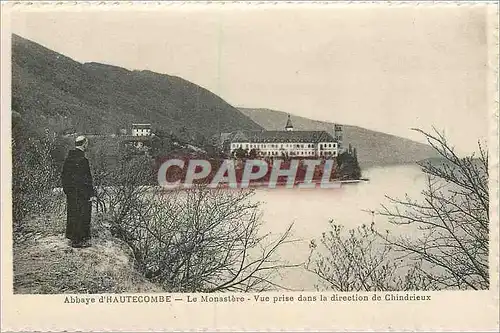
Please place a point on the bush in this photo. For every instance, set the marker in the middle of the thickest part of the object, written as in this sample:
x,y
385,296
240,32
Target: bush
x,y
191,240
453,216
448,248
34,174
348,166
360,260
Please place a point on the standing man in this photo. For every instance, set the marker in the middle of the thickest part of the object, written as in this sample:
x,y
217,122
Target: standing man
x,y
79,190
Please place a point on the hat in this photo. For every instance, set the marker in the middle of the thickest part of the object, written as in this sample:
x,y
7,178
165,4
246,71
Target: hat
x,y
80,138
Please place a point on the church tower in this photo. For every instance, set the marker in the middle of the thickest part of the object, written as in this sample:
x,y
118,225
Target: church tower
x,y
337,134
289,126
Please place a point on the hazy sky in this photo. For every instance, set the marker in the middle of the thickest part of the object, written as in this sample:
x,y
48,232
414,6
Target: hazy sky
x,y
383,68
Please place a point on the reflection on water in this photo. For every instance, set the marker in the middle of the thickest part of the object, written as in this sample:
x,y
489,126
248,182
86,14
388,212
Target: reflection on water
x,y
311,209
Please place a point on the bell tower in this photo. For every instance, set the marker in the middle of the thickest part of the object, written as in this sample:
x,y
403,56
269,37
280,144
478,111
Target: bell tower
x,y
289,126
337,134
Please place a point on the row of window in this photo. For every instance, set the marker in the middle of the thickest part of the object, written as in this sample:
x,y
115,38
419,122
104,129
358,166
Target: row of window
x,y
300,153
138,132
327,145
282,145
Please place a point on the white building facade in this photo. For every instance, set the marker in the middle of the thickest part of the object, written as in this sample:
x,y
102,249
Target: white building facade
x,y
290,143
295,148
141,133
141,129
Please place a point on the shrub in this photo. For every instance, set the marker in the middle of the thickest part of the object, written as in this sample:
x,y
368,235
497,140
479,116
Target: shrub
x,y
448,248
33,173
192,240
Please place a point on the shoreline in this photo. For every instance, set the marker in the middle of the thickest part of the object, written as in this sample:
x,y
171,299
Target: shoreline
x,y
315,184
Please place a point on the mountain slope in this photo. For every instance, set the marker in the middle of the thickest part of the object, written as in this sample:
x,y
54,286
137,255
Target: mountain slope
x,y
52,90
373,148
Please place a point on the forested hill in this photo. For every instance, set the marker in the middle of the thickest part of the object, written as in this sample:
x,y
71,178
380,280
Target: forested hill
x,y
373,148
50,89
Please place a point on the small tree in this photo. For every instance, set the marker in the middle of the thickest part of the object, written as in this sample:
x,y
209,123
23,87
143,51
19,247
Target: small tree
x,y
253,153
192,240
453,217
240,153
359,260
33,172
348,165
203,240
448,246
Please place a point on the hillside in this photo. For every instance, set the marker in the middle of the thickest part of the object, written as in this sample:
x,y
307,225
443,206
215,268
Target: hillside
x,y
54,91
50,89
44,263
373,148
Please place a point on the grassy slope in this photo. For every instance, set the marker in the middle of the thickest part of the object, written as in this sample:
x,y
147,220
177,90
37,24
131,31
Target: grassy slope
x,y
44,263
373,148
49,88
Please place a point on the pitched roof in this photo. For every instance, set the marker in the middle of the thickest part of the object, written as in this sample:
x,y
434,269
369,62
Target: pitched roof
x,y
282,136
141,126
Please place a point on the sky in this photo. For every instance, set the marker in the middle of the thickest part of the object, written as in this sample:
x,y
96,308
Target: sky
x,y
386,68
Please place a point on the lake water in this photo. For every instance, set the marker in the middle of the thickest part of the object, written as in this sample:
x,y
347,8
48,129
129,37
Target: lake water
x,y
310,210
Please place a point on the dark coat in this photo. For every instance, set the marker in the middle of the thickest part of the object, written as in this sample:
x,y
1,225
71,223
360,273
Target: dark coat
x,y
76,176
78,187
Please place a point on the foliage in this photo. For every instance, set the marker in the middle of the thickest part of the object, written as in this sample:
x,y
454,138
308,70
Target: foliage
x,y
240,153
189,241
33,172
65,95
348,166
448,247
359,260
453,219
253,153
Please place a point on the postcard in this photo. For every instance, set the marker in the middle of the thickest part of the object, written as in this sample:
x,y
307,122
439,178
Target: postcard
x,y
236,166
